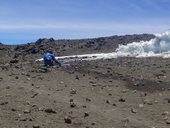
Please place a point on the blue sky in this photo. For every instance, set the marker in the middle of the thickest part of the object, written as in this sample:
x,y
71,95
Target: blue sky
x,y
23,21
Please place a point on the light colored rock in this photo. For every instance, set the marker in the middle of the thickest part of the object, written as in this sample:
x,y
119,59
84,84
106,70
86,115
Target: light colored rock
x,y
26,111
165,113
36,126
141,105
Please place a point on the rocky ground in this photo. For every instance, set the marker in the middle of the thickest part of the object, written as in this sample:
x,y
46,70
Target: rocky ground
x,y
115,93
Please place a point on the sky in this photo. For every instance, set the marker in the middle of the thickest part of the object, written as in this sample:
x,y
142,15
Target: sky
x,y
24,21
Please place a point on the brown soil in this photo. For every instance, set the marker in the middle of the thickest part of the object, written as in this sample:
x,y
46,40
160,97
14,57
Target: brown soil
x,y
115,93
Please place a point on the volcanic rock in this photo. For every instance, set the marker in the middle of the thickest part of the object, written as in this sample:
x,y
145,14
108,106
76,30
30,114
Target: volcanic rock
x,y
133,110
86,114
23,119
3,102
73,91
72,105
139,83
36,126
1,78
50,110
168,122
67,120
165,113
26,111
14,61
122,100
168,100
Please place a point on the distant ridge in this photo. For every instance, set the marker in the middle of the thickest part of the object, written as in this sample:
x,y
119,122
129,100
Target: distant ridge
x,y
64,47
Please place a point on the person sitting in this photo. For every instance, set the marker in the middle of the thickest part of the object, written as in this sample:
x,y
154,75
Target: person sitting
x,y
49,59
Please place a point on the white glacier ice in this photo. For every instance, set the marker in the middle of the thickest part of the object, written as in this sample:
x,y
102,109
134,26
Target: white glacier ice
x,y
157,47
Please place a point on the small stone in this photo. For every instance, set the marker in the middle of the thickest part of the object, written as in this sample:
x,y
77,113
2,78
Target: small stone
x,y
34,105
139,83
14,61
93,123
13,109
155,101
94,85
49,110
8,95
33,77
84,106
16,77
165,118
28,79
4,103
168,100
27,111
73,91
122,100
87,99
23,73
126,120
67,120
71,100
114,104
168,122
165,113
72,105
28,75
145,94
124,91
8,87
30,119
77,77
1,78
40,77
86,114
134,91
36,126
133,110
40,109
141,105
61,82
27,102
92,82
147,102
37,87
23,119
160,94
34,95
107,101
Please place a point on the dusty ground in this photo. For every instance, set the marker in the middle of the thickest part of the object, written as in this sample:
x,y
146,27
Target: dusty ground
x,y
117,93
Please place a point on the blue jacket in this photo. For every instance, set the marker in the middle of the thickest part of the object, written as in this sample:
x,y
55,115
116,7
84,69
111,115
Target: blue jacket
x,y
48,57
